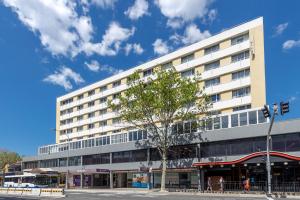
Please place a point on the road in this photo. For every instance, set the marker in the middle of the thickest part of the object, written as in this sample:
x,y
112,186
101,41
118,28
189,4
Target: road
x,y
133,196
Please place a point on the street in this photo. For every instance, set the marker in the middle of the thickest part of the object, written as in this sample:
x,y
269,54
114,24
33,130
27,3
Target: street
x,y
132,196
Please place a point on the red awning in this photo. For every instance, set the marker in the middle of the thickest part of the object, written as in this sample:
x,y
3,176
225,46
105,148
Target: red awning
x,y
248,157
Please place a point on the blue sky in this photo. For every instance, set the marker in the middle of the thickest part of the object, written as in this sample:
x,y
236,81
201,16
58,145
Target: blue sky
x,y
48,48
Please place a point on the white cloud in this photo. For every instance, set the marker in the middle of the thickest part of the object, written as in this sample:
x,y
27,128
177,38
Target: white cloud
x,y
160,47
111,40
139,8
212,15
100,3
191,35
96,67
136,48
183,11
93,65
62,31
64,77
110,69
175,23
56,22
280,28
289,44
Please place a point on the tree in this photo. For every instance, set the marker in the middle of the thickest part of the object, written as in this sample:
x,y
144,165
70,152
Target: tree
x,y
156,103
7,158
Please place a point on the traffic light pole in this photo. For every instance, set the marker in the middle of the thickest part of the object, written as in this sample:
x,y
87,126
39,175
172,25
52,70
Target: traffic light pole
x,y
268,154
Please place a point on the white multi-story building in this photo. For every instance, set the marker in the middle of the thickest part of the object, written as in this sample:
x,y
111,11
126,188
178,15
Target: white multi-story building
x,y
232,69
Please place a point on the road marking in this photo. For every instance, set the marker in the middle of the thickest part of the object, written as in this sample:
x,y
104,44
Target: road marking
x,y
269,198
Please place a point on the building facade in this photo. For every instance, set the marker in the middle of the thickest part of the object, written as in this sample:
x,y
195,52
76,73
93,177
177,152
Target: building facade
x,y
102,150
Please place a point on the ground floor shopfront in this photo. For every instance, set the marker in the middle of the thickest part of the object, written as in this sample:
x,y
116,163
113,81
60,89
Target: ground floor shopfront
x,y
285,175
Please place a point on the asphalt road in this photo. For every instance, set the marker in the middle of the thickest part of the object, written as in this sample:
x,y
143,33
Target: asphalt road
x,y
133,196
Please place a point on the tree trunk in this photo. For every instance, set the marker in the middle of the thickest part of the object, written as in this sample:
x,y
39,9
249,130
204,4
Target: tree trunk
x,y
163,172
3,178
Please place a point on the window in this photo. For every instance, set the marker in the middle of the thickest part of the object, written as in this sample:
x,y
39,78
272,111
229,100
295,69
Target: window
x,y
79,128
68,121
187,58
241,56
212,82
137,135
217,122
119,138
261,117
241,92
252,117
88,143
103,123
92,92
103,88
91,103
188,73
208,124
243,119
117,83
70,110
245,107
79,118
62,122
147,72
240,74
234,120
80,107
211,49
67,101
224,121
91,126
167,66
103,111
215,98
80,96
103,100
212,65
239,39
103,141
116,120
90,115
115,96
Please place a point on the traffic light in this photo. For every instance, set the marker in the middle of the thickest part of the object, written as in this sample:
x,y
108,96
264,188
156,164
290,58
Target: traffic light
x,y
284,107
266,111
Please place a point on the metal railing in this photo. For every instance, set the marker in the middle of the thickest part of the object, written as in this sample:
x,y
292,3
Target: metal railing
x,y
237,186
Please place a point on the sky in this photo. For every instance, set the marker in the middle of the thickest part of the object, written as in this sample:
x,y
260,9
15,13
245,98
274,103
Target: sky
x,y
51,47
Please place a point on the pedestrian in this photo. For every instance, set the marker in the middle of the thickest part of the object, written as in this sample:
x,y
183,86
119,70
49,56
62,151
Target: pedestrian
x,y
221,182
247,185
209,184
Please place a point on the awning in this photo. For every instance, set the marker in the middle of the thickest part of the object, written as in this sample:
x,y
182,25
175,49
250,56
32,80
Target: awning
x,y
246,158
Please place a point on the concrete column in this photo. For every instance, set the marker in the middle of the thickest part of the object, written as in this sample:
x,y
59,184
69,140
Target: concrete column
x,y
111,180
81,180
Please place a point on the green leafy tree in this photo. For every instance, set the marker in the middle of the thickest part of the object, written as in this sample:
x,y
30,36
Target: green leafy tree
x,y
7,158
156,103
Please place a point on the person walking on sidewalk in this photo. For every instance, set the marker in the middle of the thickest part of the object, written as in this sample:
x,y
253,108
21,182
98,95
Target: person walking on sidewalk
x,y
221,182
209,184
247,185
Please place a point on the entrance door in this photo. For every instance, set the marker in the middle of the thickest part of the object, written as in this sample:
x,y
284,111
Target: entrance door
x,y
101,180
120,180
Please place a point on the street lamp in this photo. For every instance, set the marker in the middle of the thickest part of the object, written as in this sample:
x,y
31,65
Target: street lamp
x,y
284,107
68,155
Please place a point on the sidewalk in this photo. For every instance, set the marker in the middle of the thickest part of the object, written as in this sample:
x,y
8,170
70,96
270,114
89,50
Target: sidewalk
x,y
156,192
